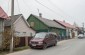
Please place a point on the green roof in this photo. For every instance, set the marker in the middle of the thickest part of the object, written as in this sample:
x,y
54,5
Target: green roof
x,y
48,22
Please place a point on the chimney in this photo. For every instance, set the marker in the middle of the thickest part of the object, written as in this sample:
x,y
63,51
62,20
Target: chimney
x,y
64,21
40,15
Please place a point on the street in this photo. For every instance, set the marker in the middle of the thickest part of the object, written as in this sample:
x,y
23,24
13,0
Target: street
x,y
65,47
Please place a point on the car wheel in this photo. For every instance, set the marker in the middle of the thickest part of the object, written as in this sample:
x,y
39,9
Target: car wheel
x,y
44,46
55,43
31,47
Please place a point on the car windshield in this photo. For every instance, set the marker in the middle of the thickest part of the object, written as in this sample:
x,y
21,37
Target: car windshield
x,y
80,34
40,35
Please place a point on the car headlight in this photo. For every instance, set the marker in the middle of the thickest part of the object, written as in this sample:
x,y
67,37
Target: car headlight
x,y
40,42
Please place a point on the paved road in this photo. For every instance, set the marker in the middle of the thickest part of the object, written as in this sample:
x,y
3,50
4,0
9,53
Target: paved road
x,y
67,47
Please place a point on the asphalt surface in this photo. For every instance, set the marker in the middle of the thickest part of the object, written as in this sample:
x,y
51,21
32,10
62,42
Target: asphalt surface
x,y
66,47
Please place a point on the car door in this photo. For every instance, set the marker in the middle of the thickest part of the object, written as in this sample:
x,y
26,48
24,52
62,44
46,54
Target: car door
x,y
47,39
51,39
54,39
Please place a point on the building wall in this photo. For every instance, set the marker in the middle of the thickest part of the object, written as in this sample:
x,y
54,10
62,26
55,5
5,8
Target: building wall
x,y
41,27
38,25
1,31
76,33
70,32
21,29
61,32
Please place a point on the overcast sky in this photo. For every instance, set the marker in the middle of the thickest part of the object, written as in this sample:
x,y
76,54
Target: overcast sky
x,y
69,10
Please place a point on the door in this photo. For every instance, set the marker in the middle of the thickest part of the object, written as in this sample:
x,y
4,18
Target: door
x,y
52,39
47,39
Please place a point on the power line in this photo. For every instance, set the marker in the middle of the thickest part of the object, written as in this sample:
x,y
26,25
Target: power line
x,y
55,6
48,8
18,6
58,8
26,5
8,6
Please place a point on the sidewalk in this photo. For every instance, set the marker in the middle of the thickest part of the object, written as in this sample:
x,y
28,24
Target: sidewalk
x,y
29,50
20,52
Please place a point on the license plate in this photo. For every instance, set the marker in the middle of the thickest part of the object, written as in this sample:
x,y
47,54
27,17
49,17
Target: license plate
x,y
33,44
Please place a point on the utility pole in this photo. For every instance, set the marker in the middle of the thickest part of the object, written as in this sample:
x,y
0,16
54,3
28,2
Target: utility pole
x,y
12,32
83,28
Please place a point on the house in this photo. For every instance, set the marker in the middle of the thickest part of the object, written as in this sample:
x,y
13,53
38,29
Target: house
x,y
21,29
3,16
40,24
70,29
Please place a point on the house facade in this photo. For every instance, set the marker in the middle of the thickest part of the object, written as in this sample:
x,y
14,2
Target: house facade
x,y
70,29
40,24
3,16
21,29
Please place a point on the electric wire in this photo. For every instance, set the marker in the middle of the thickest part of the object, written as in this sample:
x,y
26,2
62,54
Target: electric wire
x,y
59,8
18,6
26,5
8,6
48,8
56,6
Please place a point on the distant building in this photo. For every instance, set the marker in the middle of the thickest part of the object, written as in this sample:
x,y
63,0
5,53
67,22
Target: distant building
x,y
70,29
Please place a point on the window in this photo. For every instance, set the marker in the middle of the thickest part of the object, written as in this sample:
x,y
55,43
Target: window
x,y
40,35
32,24
24,32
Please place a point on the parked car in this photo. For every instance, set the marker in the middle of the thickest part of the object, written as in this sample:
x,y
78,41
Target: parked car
x,y
43,40
81,36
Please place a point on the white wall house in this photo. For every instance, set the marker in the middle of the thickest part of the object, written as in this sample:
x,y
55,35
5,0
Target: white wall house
x,y
20,26
69,32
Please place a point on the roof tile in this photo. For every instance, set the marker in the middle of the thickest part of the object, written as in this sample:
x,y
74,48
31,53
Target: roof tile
x,y
65,24
49,23
3,14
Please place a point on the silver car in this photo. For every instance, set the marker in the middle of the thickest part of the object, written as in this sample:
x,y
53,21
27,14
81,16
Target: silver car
x,y
81,36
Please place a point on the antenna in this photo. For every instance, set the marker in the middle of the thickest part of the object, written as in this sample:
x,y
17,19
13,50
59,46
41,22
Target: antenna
x,y
40,14
38,10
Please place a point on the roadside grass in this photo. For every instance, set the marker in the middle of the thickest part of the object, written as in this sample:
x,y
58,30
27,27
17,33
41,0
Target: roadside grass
x,y
21,48
15,50
3,52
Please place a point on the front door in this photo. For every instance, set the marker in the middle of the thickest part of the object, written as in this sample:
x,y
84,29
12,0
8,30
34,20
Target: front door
x,y
1,30
0,40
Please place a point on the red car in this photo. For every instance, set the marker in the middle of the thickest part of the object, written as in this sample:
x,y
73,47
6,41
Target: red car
x,y
43,40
